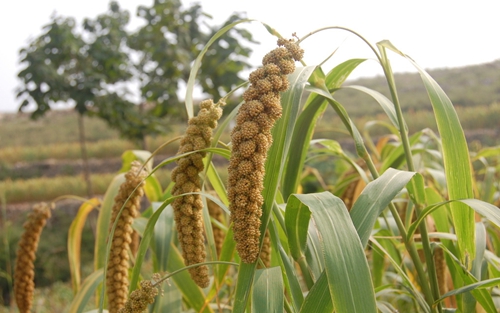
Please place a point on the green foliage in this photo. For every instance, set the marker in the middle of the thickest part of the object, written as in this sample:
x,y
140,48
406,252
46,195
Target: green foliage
x,y
86,67
468,86
365,240
63,65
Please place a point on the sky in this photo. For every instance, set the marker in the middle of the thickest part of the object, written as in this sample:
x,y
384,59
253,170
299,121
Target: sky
x,y
435,33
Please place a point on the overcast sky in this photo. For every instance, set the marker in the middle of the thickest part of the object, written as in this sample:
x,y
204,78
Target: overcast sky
x,y
435,33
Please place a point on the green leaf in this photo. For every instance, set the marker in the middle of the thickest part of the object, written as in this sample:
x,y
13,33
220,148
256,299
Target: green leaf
x,y
394,258
163,232
226,254
140,155
482,296
268,291
290,276
306,122
197,64
375,198
318,299
297,225
489,211
146,241
75,240
346,266
456,159
385,103
193,295
397,156
416,189
86,291
170,300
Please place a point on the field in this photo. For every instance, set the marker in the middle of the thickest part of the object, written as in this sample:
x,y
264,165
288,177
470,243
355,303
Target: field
x,y
414,154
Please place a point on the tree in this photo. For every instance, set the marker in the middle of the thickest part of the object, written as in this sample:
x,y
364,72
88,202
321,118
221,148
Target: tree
x,y
171,39
61,65
89,68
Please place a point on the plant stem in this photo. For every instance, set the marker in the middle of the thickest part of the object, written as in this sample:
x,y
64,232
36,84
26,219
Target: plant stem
x,y
409,244
304,267
418,207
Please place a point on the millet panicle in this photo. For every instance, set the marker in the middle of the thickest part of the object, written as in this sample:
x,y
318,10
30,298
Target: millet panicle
x,y
139,299
24,273
118,262
188,208
251,139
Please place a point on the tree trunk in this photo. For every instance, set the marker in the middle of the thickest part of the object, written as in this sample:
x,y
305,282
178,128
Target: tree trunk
x,y
83,147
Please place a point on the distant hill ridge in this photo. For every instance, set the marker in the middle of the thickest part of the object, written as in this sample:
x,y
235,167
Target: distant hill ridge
x,y
465,86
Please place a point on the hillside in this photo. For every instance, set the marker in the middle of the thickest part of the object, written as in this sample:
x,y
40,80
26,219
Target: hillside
x,y
46,152
468,86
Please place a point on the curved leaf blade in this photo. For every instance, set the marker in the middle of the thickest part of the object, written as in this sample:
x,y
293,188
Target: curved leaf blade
x,y
88,288
306,122
347,270
455,156
318,299
375,198
75,241
268,291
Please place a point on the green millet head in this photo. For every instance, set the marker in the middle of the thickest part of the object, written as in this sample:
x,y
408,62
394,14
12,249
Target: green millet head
x,y
251,139
188,208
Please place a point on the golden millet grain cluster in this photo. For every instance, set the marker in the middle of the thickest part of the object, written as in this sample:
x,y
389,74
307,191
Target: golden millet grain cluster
x,y
139,299
118,262
265,252
24,285
251,139
188,209
440,270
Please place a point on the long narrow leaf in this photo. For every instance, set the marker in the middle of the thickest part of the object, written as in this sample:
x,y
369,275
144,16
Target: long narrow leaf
x,y
489,211
318,299
86,291
456,159
375,198
163,232
268,291
385,103
197,64
306,122
193,295
346,266
75,240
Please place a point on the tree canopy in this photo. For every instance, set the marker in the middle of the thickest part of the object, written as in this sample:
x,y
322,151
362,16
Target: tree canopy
x,y
95,66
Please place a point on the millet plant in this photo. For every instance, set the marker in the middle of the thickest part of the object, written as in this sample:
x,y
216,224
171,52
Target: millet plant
x,y
402,227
